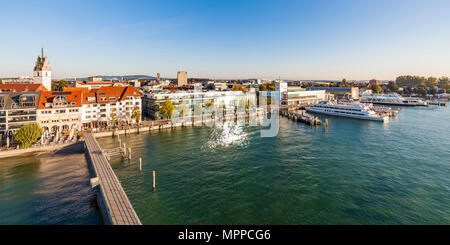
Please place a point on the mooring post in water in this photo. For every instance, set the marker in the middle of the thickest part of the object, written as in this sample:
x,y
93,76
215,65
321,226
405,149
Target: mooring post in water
x,y
154,181
129,152
140,164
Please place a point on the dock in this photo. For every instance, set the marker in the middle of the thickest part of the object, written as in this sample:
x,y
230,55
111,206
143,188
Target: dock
x,y
301,116
112,199
385,111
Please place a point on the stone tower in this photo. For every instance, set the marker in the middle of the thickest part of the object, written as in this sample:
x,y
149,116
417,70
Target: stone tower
x,y
43,72
182,78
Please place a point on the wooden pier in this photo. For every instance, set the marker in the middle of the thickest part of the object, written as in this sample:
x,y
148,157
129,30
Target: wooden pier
x,y
385,111
301,116
113,202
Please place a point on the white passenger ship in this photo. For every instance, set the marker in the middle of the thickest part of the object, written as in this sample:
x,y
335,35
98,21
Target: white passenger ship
x,y
352,110
391,99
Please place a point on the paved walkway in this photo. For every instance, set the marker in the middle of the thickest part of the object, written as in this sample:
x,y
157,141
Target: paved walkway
x,y
118,206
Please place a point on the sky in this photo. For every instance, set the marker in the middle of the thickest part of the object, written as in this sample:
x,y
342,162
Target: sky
x,y
230,39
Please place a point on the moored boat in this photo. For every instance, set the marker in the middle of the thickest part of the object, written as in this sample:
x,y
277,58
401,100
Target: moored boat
x,y
392,99
351,110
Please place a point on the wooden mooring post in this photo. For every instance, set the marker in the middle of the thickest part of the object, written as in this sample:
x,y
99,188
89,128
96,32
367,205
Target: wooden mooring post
x,y
140,164
154,180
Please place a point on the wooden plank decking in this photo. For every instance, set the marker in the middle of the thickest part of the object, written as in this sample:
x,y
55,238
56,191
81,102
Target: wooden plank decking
x,y
117,205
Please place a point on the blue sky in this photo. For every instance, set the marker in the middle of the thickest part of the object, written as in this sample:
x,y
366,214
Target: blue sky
x,y
334,39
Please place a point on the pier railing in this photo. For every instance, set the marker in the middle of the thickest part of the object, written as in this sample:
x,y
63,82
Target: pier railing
x,y
114,203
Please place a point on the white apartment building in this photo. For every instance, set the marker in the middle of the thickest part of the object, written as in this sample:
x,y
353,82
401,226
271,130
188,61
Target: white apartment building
x,y
59,112
98,105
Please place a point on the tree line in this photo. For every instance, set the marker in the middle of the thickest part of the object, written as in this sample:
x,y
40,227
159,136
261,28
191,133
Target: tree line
x,y
420,81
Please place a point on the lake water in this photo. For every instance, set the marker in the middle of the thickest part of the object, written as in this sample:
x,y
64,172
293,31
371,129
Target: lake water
x,y
47,190
358,172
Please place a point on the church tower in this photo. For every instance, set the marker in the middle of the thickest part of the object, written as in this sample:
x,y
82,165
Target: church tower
x,y
43,72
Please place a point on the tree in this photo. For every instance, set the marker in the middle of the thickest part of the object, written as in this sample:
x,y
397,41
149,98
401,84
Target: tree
x,y
411,81
431,81
209,103
113,119
239,88
422,91
392,86
1,81
136,114
59,85
443,83
376,88
262,87
167,108
432,90
28,134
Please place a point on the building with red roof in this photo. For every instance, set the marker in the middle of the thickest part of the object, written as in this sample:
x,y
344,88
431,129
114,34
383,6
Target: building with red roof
x,y
60,112
22,87
99,104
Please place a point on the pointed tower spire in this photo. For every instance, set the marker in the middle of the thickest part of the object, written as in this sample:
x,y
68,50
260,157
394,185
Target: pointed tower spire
x,y
42,51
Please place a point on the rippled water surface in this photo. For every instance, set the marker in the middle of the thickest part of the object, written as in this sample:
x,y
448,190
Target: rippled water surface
x,y
359,172
46,190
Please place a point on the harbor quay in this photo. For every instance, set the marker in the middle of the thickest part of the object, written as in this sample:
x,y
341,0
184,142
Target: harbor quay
x,y
114,205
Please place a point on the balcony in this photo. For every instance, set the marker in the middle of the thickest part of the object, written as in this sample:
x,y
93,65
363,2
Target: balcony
x,y
21,113
18,120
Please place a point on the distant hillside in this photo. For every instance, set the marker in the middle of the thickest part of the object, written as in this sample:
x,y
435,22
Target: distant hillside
x,y
127,77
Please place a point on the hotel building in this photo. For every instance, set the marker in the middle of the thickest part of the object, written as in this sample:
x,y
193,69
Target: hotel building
x,y
187,101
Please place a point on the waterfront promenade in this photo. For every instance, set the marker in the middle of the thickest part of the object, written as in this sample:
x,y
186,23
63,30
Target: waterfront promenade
x,y
113,202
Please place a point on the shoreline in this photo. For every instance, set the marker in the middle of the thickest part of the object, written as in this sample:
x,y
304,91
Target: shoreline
x,y
34,150
173,125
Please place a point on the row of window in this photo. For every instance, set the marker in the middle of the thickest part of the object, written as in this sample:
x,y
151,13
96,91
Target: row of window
x,y
46,112
62,120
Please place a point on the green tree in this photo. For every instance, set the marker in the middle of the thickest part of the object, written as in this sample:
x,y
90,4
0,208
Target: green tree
x,y
421,91
209,103
59,85
167,108
376,88
28,134
408,90
431,81
443,83
432,90
113,119
136,114
239,88
411,81
392,86
262,87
